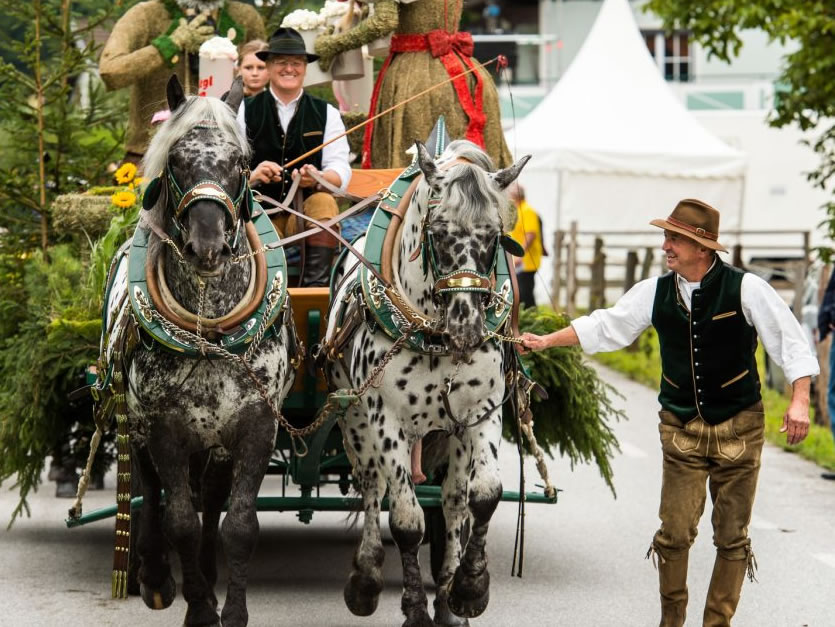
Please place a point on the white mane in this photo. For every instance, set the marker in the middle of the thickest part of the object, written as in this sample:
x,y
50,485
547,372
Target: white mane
x,y
195,110
469,188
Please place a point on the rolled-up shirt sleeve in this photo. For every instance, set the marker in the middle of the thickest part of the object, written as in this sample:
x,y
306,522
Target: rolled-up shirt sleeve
x,y
335,156
778,329
620,325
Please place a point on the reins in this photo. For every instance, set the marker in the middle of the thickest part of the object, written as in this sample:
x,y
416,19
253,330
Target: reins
x,y
500,60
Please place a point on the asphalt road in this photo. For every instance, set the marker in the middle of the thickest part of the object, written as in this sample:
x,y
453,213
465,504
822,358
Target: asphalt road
x,y
584,565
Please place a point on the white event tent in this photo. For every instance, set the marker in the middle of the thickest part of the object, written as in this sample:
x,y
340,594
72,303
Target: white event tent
x,y
612,146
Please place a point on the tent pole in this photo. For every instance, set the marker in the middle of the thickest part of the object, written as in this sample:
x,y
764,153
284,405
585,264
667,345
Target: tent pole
x,y
557,266
741,209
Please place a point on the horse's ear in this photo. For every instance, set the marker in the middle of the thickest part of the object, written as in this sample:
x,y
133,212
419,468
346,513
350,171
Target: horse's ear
x,y
152,192
174,93
505,177
235,95
427,165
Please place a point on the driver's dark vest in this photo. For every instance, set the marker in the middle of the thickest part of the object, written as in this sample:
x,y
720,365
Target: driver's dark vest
x,y
707,352
305,132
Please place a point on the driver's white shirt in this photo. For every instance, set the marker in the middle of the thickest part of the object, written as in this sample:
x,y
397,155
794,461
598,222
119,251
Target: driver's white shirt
x,y
334,156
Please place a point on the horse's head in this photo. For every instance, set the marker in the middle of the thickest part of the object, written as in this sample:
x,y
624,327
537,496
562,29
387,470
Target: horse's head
x,y
200,195
465,217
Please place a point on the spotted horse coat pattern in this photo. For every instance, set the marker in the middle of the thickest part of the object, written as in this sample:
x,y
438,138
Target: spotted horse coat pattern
x,y
467,218
184,410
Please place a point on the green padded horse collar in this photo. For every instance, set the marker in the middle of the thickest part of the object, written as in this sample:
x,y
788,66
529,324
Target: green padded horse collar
x,y
387,307
236,340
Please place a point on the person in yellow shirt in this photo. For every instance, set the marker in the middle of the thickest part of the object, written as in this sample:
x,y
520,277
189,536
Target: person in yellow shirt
x,y
528,232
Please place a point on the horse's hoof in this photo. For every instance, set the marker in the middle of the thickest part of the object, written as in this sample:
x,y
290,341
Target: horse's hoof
x,y
159,599
362,593
468,597
443,615
419,618
234,616
201,615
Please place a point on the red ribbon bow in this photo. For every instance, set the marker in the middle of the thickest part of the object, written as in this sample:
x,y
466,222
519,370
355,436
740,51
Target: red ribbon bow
x,y
441,43
446,47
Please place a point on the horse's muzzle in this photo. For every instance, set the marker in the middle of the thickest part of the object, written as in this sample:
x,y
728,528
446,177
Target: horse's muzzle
x,y
207,257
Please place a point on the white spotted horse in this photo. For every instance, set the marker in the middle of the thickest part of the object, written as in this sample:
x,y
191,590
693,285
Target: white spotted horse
x,y
446,291
198,320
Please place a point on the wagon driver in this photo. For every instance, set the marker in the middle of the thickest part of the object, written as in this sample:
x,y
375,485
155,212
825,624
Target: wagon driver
x,y
284,122
708,316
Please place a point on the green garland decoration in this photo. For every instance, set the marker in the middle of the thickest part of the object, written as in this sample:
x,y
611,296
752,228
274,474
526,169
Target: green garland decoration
x,y
575,417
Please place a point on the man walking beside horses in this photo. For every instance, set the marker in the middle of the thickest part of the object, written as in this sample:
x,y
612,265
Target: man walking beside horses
x,y
708,316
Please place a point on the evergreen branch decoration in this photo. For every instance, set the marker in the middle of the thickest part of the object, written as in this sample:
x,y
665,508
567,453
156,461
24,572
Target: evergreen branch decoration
x,y
574,418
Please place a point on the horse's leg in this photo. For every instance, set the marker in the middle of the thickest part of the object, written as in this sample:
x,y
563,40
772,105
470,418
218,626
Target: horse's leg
x,y
182,527
216,484
362,591
250,458
156,584
454,501
406,524
469,591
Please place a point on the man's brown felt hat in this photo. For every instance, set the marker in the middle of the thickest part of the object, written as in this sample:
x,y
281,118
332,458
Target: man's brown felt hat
x,y
696,220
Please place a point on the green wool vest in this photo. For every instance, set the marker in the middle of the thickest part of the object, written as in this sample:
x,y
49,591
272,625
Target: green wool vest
x,y
707,353
270,143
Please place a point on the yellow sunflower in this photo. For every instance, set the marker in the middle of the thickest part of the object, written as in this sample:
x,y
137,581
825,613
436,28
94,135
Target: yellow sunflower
x,y
123,199
125,173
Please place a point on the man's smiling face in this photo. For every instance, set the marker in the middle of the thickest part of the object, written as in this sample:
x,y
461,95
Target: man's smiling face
x,y
287,72
683,255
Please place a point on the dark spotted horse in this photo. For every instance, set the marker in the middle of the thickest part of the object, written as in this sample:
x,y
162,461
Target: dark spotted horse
x,y
198,352
439,287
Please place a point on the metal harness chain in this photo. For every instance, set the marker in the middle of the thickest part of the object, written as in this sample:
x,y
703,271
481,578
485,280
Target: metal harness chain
x,y
502,338
377,372
373,379
201,289
249,255
187,337
207,347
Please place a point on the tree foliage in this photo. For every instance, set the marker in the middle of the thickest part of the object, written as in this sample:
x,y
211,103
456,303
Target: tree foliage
x,y
573,419
806,91
59,130
54,143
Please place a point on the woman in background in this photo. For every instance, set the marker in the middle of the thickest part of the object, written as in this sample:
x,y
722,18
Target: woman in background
x,y
252,70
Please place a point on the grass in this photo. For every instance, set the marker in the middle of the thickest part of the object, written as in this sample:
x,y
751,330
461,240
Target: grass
x,y
642,363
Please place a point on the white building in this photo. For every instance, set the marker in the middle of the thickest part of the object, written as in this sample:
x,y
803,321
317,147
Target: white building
x,y
731,100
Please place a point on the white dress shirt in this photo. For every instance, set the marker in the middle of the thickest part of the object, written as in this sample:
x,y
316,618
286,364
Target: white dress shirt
x,y
781,335
335,155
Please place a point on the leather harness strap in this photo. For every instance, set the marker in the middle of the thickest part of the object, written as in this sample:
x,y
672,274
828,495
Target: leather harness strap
x,y
514,284
322,226
207,190
463,280
397,213
292,239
